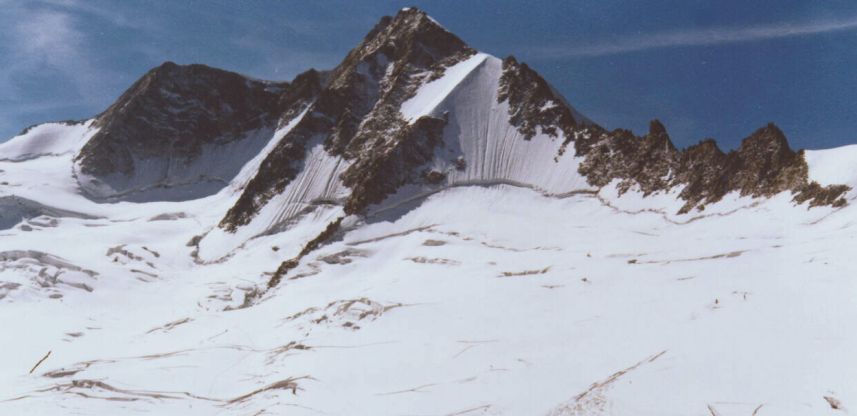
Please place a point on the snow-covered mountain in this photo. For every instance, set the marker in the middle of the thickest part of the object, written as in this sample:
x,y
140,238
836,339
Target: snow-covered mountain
x,y
424,229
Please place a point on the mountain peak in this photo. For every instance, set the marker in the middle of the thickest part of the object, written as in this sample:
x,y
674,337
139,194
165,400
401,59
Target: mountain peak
x,y
168,119
768,139
170,71
411,34
416,16
657,128
167,65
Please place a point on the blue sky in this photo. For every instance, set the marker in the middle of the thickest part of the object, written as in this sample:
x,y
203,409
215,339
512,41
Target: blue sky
x,y
716,69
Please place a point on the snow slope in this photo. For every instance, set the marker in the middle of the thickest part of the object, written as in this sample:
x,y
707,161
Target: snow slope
x,y
46,140
176,179
479,130
833,166
545,305
430,95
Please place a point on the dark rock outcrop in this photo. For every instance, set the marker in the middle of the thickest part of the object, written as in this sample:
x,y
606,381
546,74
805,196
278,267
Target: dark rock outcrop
x,y
184,131
646,161
700,169
173,111
391,164
356,115
303,90
764,165
533,103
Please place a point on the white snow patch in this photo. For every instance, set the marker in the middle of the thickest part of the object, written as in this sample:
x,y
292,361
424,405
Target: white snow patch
x,y
49,139
431,94
547,105
479,131
833,166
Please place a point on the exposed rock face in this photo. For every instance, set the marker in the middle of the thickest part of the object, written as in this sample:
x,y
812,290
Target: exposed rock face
x,y
700,169
391,164
173,114
303,90
533,103
356,115
646,161
534,106
764,165
175,110
161,133
817,195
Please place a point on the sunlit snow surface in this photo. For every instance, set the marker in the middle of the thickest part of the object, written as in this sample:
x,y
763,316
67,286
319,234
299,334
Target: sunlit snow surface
x,y
833,166
492,300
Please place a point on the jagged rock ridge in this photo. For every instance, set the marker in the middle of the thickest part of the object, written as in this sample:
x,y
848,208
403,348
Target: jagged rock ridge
x,y
354,113
764,165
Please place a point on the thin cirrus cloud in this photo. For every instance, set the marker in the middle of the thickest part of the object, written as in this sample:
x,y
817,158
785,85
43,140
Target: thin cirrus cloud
x,y
48,67
700,37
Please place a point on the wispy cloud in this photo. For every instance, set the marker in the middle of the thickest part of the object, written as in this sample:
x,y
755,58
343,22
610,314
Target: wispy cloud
x,y
105,14
48,62
696,37
47,37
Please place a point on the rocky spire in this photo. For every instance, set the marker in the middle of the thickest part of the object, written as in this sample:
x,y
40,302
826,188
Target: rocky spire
x,y
765,164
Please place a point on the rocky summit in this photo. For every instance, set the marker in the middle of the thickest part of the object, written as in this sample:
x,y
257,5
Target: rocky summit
x,y
175,117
